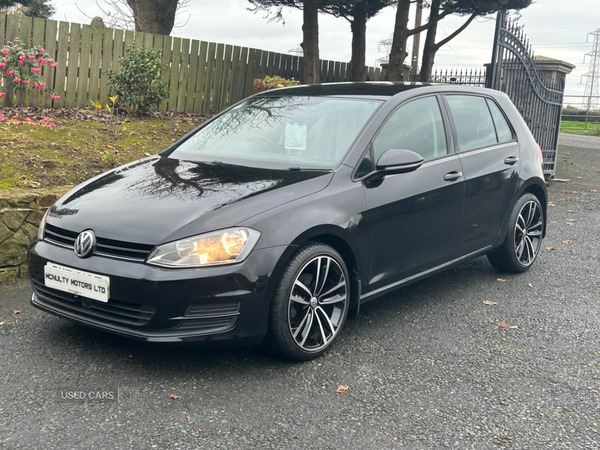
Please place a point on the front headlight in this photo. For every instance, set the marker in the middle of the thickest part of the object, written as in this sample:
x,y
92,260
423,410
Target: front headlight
x,y
219,247
42,228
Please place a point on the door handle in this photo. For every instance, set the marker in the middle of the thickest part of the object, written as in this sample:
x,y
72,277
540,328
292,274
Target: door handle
x,y
511,160
453,176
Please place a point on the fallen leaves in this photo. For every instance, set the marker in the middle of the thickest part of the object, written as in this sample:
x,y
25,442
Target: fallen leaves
x,y
16,311
594,190
550,248
342,388
567,241
489,303
502,324
2,323
174,397
500,279
530,285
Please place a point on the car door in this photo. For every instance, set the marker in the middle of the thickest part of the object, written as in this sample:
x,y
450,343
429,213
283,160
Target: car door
x,y
414,218
489,154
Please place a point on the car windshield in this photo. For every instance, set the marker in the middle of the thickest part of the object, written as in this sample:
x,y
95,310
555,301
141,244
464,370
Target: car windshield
x,y
287,131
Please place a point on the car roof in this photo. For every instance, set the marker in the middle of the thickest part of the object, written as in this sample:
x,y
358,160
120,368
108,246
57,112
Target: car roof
x,y
368,88
372,89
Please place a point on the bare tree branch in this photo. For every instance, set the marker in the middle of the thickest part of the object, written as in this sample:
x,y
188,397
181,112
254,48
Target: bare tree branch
x,y
456,32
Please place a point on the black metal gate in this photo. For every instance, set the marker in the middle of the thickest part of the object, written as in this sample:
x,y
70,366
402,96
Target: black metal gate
x,y
513,71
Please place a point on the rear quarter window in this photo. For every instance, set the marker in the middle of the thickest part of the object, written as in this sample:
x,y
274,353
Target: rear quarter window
x,y
503,129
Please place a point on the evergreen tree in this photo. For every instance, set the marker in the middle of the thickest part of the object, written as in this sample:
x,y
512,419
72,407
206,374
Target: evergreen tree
x,y
310,30
11,3
357,12
438,10
40,8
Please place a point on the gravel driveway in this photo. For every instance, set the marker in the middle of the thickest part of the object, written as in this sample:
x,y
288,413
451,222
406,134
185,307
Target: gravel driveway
x,y
470,358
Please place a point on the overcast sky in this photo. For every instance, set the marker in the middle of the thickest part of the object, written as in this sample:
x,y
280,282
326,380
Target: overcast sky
x,y
556,28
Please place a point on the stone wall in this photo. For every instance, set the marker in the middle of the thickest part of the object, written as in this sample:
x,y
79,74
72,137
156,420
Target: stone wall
x,y
20,216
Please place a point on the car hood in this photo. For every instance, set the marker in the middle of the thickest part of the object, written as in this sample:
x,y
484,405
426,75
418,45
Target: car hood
x,y
159,199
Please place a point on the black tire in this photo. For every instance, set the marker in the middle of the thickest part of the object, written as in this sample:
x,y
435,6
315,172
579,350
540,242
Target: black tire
x,y
523,238
310,303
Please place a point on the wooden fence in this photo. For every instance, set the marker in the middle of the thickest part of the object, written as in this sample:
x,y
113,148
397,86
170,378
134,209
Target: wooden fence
x,y
202,76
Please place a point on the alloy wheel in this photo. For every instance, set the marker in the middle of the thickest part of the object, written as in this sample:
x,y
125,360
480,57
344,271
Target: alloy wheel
x,y
317,304
528,233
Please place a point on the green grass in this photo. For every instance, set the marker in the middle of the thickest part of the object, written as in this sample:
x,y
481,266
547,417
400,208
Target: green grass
x,y
71,152
579,128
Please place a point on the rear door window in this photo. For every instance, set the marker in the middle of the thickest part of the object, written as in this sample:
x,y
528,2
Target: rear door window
x,y
473,121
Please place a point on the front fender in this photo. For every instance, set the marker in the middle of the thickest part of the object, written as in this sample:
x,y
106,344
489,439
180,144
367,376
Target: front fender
x,y
335,215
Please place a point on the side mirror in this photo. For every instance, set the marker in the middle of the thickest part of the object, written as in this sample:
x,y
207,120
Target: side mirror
x,y
398,161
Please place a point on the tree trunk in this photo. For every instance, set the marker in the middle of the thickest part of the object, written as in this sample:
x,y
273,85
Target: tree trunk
x,y
8,89
310,44
414,63
430,48
154,16
21,99
359,42
398,52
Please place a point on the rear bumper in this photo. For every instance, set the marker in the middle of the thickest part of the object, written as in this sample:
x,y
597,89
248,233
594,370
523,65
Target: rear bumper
x,y
226,305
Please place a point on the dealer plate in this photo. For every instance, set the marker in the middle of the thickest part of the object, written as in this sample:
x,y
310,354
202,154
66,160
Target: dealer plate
x,y
77,282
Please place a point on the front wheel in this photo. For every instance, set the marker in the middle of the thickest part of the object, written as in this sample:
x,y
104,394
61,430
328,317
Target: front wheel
x,y
523,239
310,303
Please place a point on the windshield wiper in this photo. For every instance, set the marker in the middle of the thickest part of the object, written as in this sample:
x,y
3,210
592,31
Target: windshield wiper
x,y
308,169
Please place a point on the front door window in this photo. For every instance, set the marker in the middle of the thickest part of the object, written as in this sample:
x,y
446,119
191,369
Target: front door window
x,y
415,126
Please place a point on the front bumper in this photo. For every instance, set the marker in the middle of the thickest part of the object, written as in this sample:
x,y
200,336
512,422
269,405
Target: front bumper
x,y
211,305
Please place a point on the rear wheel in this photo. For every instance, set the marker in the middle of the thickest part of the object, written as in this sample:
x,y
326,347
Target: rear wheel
x,y
524,237
310,303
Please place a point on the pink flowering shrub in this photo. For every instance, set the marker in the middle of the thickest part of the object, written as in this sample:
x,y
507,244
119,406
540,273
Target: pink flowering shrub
x,y
21,68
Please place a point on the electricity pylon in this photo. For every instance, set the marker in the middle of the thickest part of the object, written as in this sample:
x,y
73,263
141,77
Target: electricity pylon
x,y
592,91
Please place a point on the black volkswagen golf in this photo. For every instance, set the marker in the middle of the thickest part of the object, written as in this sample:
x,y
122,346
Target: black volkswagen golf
x,y
278,218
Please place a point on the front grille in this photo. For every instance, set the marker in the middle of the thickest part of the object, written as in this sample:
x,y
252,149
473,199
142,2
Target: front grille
x,y
124,250
60,236
104,247
113,311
